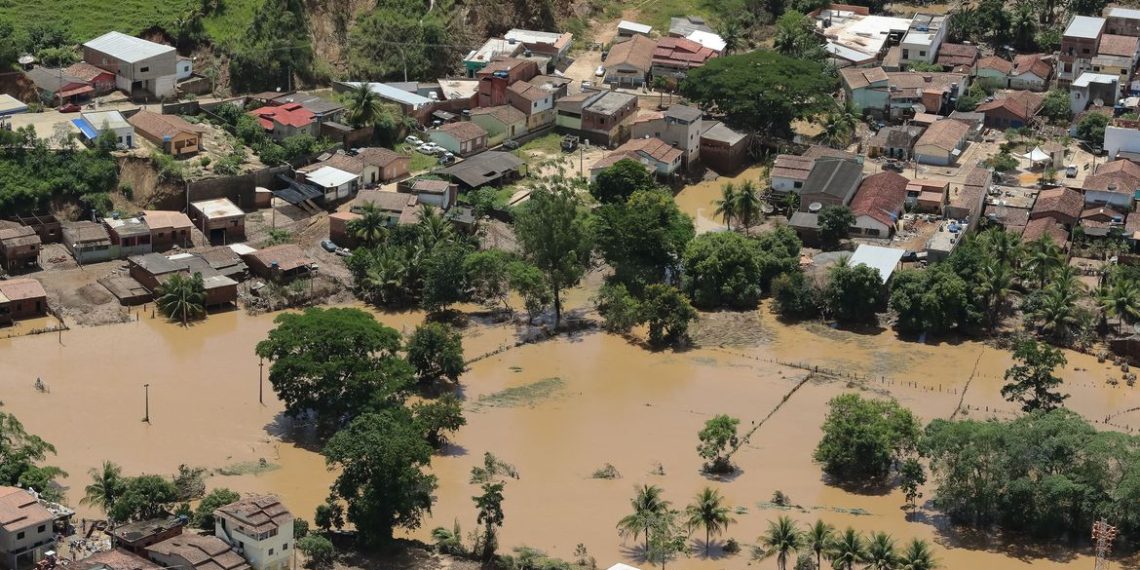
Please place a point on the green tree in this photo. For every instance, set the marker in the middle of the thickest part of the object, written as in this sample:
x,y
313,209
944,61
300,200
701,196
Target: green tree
x,y
780,540
182,298
107,485
847,550
364,107
853,293
1057,311
747,207
555,238
795,37
642,239
616,183
818,539
20,452
531,284
435,350
204,514
443,284
835,225
400,39
709,512
648,504
934,301
334,364
1057,107
790,89
668,537
370,227
881,553
144,497
917,556
1043,257
490,507
726,205
668,313
300,528
795,297
381,457
993,290
488,275
911,477
318,549
864,438
1120,299
718,438
723,269
189,482
329,515
619,310
1091,128
1031,381
435,418
274,48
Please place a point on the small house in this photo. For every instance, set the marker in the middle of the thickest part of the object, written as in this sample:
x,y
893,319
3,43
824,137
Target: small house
x,y
789,172
135,537
461,139
895,141
993,71
261,527
56,86
94,123
382,165
942,143
129,236
488,168
194,551
1061,204
28,532
501,123
1011,110
170,133
1100,89
168,229
284,121
678,56
22,299
660,157
220,220
605,119
19,246
927,196
1031,71
334,184
721,148
878,204
280,263
627,29
88,242
439,194
1114,183
101,81
45,225
630,61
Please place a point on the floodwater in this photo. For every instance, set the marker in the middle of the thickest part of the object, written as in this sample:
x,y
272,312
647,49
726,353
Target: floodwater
x,y
698,200
579,402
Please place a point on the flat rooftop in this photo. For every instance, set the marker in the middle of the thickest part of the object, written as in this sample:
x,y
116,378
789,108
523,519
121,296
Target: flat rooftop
x,y
852,34
218,208
1086,27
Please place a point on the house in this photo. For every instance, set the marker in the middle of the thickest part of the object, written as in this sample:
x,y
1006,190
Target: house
x,y
1031,71
993,71
19,247
866,88
605,119
898,93
135,537
502,122
927,196
682,26
411,104
283,262
1098,89
1117,55
493,48
140,66
942,143
973,119
878,204
114,559
1122,21
323,110
334,184
339,224
45,225
461,139
27,530
923,38
101,81
895,141
220,220
789,172
10,105
554,45
723,149
629,62
170,133
627,29
396,207
168,229
261,528
1011,110
677,56
1122,139
56,86
284,121
708,40
1114,183
153,269
556,84
382,165
436,193
88,242
679,125
536,101
196,552
491,167
21,299
957,57
225,261
94,123
1079,44
1061,204
832,182
660,157
498,75
1042,227
129,236
855,38
1100,221
184,68
885,260
968,199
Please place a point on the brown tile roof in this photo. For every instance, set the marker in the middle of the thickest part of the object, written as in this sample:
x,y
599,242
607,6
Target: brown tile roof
x,y
910,84
529,91
1123,175
85,231
816,151
382,199
957,54
995,63
18,508
430,186
377,156
1104,213
115,559
637,52
681,51
505,114
880,196
201,552
792,167
1111,44
858,78
1041,227
655,148
503,64
287,256
161,126
1034,63
85,71
350,164
258,514
166,219
615,157
464,130
944,134
19,235
1052,201
1132,225
1022,104
978,176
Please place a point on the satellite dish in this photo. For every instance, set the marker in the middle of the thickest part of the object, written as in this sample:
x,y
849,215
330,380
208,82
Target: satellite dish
x,y
815,207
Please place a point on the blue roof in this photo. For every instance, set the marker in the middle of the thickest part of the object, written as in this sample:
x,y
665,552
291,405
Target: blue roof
x,y
86,128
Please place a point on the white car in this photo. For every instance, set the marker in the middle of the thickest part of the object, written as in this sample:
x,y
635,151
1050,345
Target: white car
x,y
426,148
435,149
600,71
414,141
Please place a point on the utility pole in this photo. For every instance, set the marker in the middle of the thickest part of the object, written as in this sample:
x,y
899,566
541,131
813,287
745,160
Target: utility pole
x,y
146,414
1103,533
261,381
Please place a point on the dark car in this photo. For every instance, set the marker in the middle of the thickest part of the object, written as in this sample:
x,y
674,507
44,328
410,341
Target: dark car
x,y
893,165
328,245
71,108
510,145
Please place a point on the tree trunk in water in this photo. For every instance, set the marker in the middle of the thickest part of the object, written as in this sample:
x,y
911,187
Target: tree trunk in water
x,y
706,541
557,322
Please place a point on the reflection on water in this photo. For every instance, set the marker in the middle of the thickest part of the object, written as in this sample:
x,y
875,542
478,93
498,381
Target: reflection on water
x,y
614,403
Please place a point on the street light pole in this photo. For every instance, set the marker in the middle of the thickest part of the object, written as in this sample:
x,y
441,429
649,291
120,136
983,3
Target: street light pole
x,y
146,414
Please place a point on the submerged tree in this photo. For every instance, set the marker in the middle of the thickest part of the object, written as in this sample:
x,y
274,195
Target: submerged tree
x,y
182,298
1031,382
490,507
555,238
780,540
107,485
709,512
647,505
718,439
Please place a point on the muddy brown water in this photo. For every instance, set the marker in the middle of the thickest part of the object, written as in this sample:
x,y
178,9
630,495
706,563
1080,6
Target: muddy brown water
x,y
577,403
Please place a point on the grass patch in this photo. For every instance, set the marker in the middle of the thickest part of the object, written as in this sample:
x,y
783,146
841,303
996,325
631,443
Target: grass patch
x,y
247,468
607,471
657,13
550,143
525,395
420,162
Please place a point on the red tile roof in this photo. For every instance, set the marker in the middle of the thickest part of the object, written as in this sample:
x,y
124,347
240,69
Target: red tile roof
x,y
995,63
1111,44
464,130
957,54
1021,104
1122,175
655,148
1034,63
637,52
880,196
681,51
289,114
1064,201
86,71
1041,227
21,289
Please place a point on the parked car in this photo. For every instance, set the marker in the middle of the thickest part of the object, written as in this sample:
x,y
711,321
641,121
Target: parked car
x,y
511,144
413,140
328,245
430,148
1071,171
587,84
447,158
600,71
71,108
893,165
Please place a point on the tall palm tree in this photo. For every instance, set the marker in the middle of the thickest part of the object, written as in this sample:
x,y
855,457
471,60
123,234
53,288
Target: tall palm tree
x,y
791,203
107,485
726,205
709,511
182,298
1002,246
1058,312
386,277
847,118
647,505
369,228
781,539
1120,300
993,287
364,106
732,35
848,550
1042,259
917,556
817,539
881,553
833,134
748,204
434,228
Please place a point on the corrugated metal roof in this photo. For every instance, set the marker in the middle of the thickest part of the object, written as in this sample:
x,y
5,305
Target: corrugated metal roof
x,y
395,94
885,259
127,48
1084,27
329,177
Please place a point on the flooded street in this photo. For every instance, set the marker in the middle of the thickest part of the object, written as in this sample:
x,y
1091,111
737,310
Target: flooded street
x,y
558,411
698,200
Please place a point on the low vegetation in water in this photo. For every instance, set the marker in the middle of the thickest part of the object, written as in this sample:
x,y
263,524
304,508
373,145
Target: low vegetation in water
x,y
247,468
522,396
607,471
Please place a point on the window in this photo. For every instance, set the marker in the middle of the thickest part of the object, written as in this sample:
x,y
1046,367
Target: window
x,y
19,536
1085,50
271,552
922,54
144,69
798,185
285,546
42,528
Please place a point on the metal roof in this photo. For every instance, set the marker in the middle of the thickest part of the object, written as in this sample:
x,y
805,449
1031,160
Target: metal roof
x,y
329,177
1088,27
1127,13
127,48
885,259
297,192
1086,78
112,119
634,27
395,94
9,105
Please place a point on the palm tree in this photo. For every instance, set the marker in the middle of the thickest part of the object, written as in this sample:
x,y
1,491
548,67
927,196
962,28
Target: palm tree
x,y
731,33
833,133
781,539
709,511
747,204
1044,257
434,228
917,556
1120,300
1058,312
369,228
726,206
107,485
182,297
817,539
647,506
847,118
848,550
881,553
994,286
791,203
364,106
1002,246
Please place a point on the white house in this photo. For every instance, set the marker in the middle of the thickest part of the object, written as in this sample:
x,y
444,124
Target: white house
x,y
26,528
184,69
138,64
260,528
1093,87
1121,139
334,182
92,124
923,38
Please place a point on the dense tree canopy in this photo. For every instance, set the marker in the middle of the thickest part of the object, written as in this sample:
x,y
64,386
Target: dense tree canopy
x,y
864,438
643,238
556,238
32,175
1031,380
144,497
435,350
723,269
398,36
275,47
934,300
21,454
618,182
853,293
